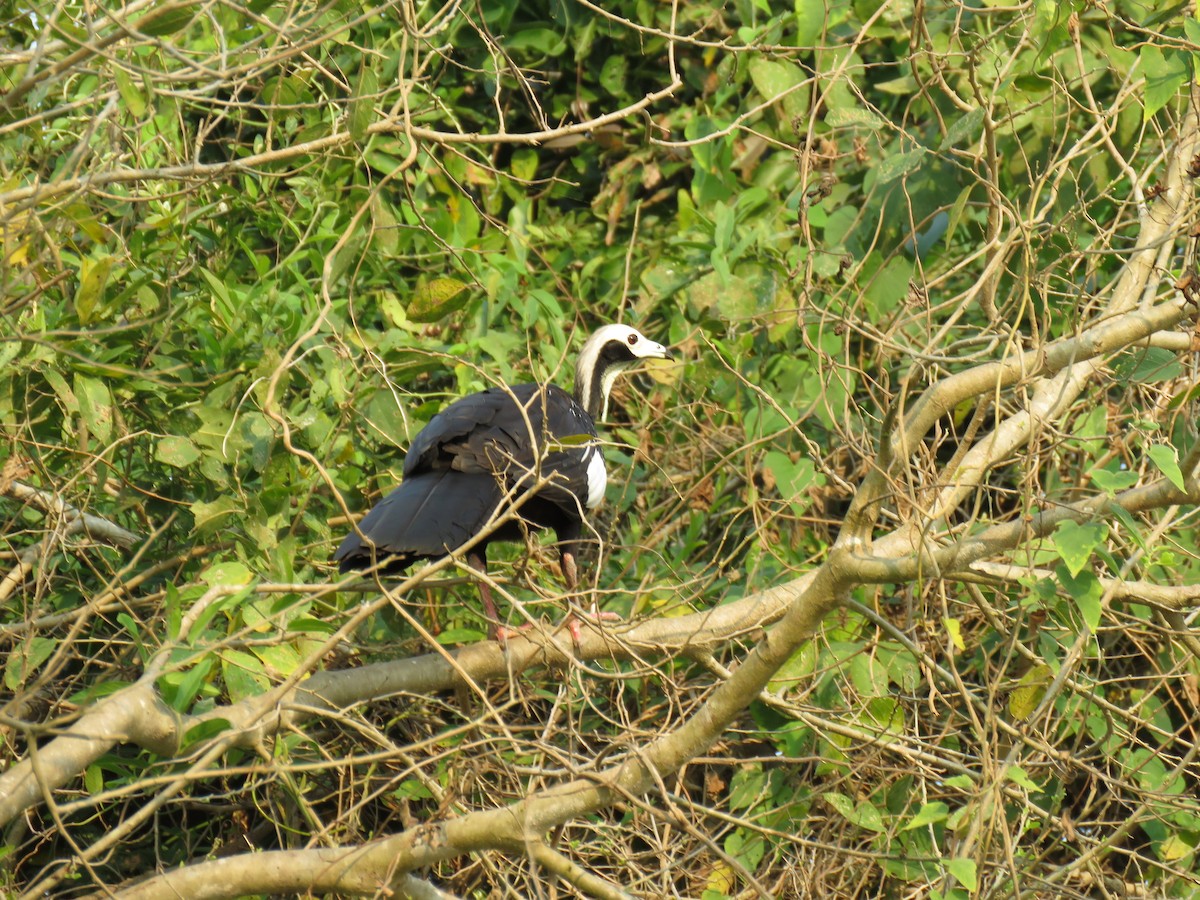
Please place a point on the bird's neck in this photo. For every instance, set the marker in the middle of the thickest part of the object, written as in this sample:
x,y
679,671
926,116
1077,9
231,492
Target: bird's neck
x,y
595,373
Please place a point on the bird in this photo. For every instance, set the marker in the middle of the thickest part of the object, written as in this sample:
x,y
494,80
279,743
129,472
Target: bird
x,y
532,447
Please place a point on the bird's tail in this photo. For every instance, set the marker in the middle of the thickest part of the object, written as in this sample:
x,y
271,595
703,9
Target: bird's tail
x,y
426,517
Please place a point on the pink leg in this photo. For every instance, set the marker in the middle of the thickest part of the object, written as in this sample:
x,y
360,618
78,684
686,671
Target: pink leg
x,y
571,576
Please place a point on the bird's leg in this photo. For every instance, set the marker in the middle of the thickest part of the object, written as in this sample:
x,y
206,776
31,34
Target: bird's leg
x,y
496,631
571,577
569,569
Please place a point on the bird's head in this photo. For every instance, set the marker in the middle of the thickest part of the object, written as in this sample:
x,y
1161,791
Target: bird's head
x,y
608,353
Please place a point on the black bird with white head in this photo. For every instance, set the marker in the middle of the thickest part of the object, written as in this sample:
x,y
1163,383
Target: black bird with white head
x,y
529,444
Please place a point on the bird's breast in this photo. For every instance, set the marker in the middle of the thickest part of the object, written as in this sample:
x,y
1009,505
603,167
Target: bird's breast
x,y
597,478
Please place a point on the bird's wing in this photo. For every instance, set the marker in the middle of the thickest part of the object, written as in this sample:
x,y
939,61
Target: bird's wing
x,y
512,434
482,432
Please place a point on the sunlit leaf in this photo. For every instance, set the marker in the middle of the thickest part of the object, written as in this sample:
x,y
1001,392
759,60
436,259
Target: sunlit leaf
x,y
1085,589
1167,461
928,814
1077,541
965,871
1017,775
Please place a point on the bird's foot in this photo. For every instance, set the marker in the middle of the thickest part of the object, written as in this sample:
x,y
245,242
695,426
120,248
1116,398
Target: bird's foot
x,y
502,633
595,616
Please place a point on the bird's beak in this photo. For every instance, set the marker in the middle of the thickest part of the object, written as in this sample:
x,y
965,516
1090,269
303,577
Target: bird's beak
x,y
658,351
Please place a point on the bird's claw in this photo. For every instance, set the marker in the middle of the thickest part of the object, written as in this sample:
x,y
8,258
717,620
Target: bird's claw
x,y
595,616
502,633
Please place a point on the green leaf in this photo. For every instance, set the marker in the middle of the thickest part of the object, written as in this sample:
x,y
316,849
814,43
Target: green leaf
x,y
524,163
226,573
540,40
839,802
851,117
280,660
1112,481
176,451
362,107
867,816
964,870
1148,365
243,675
209,515
93,779
207,729
747,786
957,211
1077,541
1085,589
888,287
1018,776
1191,27
453,636
437,298
130,94
810,22
780,81
225,306
24,659
954,630
965,126
1166,72
747,847
864,815
792,479
181,688
937,811
896,165
570,440
1175,848
166,19
613,74
1167,461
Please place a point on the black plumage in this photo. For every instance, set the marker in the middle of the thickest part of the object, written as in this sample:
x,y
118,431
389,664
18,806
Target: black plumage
x,y
532,446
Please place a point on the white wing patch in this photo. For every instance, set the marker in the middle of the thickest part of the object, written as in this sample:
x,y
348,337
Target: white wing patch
x,y
597,478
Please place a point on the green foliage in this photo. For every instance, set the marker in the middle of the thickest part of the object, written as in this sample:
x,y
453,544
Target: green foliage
x,y
247,253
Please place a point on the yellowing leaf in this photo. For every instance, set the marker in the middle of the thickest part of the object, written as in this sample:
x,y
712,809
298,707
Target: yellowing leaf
x,y
1174,848
95,406
721,879
954,629
1029,693
93,275
437,298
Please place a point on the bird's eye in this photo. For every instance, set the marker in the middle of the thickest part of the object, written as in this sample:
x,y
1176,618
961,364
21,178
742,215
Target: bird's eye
x,y
632,339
